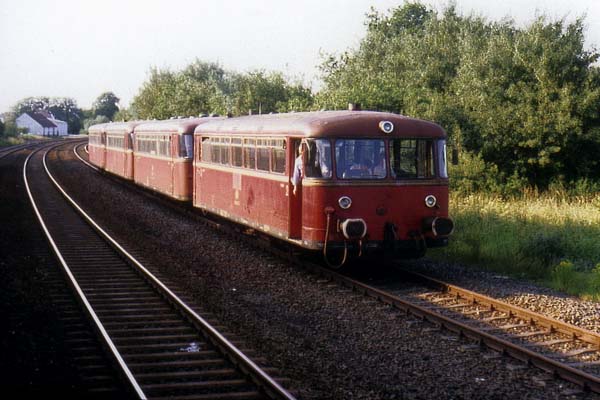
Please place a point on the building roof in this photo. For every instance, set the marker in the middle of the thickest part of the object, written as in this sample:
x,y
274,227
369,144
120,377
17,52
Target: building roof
x,y
42,120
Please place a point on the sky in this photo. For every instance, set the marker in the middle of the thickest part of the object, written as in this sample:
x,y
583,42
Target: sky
x,y
82,48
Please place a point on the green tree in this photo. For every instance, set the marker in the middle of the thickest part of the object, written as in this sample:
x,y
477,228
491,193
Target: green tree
x,y
206,88
106,104
525,100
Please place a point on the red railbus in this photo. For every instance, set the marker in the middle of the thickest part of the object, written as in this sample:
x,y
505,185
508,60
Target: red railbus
x,y
163,154
119,148
365,182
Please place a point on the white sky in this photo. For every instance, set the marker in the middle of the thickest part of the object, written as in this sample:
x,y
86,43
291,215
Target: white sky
x,y
81,48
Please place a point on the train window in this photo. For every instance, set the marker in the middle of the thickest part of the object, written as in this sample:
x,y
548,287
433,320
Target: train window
x,y
318,163
146,145
441,158
206,150
262,154
236,152
186,146
411,158
164,145
360,158
115,142
215,150
224,148
250,153
278,154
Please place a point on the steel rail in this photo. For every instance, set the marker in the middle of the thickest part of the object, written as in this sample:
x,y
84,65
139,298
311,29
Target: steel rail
x,y
584,379
552,324
258,376
587,381
100,328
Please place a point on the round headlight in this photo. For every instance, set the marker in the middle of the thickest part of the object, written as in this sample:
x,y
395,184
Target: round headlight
x,y
430,201
345,202
386,126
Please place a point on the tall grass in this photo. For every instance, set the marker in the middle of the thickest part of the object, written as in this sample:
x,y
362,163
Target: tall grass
x,y
529,237
14,140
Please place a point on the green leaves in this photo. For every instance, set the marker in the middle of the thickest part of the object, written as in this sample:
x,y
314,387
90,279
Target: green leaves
x,y
524,99
206,88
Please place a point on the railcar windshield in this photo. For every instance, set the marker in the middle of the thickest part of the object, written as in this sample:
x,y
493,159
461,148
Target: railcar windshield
x,y
360,159
411,158
318,162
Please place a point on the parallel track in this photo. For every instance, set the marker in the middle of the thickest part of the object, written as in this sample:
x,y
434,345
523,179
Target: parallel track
x,y
512,320
454,309
161,346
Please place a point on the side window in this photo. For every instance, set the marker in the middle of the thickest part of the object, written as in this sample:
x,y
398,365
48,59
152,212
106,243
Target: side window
x,y
250,153
206,150
278,155
236,152
224,149
163,146
262,154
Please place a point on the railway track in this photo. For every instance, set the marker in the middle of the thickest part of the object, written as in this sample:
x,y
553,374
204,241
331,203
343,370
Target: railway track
x,y
485,322
563,350
161,347
6,151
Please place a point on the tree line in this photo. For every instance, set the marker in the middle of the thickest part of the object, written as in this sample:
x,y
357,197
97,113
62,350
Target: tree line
x,y
521,104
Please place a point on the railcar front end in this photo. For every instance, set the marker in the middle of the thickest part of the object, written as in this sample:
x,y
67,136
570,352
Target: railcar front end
x,y
378,194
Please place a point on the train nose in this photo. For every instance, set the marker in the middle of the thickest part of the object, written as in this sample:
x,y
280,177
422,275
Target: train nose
x,y
439,226
354,229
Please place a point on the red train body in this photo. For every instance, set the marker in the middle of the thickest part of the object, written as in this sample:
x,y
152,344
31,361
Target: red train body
x,y
365,181
163,156
119,148
97,145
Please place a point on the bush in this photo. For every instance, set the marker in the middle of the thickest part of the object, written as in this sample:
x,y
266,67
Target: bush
x,y
564,277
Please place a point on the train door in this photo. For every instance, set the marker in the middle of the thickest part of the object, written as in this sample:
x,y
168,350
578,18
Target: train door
x,y
295,200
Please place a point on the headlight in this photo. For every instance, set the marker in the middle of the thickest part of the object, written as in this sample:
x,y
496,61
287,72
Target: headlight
x,y
345,202
386,126
430,201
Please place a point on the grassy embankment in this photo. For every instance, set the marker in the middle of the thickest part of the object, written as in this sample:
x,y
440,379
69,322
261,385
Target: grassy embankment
x,y
552,239
14,140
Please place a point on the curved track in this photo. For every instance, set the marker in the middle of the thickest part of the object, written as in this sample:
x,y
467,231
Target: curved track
x,y
510,330
161,347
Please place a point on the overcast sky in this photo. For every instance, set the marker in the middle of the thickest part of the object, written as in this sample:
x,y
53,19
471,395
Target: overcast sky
x,y
81,48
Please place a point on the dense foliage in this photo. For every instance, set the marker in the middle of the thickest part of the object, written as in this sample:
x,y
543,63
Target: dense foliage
x,y
107,104
522,104
206,88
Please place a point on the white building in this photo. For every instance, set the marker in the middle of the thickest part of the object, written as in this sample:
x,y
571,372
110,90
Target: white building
x,y
42,123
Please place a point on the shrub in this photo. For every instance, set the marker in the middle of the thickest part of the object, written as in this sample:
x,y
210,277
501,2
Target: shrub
x,y
564,277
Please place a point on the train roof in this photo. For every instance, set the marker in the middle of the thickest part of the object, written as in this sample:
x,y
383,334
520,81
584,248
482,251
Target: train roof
x,y
176,125
97,128
121,127
323,124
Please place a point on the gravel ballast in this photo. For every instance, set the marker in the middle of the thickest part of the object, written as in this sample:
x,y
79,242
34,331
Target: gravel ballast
x,y
333,344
